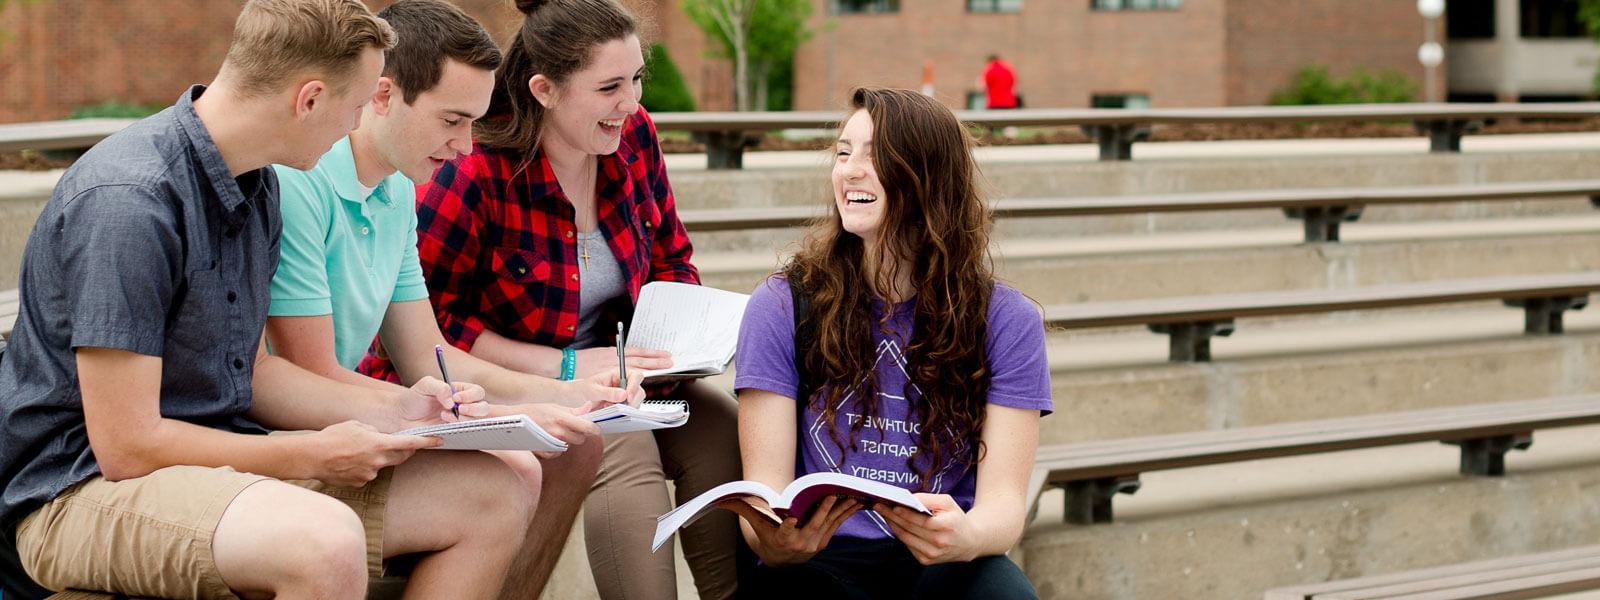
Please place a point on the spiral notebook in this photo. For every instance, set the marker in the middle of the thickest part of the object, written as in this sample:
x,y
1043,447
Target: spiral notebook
x,y
650,414
516,432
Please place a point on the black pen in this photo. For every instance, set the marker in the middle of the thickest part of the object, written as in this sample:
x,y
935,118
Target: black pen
x,y
455,407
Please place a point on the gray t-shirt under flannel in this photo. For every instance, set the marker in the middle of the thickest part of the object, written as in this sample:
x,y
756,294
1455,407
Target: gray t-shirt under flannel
x,y
149,245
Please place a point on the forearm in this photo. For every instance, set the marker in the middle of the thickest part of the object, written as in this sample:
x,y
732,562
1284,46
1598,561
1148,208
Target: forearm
x,y
516,355
171,442
505,385
288,397
998,524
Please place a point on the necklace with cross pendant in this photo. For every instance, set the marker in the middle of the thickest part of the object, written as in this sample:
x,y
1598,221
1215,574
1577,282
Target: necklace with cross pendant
x,y
584,245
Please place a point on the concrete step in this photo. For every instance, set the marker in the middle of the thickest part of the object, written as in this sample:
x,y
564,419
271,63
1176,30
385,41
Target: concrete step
x,y
807,185
1233,531
1101,268
1118,384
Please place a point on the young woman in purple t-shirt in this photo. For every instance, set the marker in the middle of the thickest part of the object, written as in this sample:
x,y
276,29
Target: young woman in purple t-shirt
x,y
921,371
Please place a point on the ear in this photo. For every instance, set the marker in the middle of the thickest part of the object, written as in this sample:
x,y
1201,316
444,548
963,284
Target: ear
x,y
543,90
386,95
306,99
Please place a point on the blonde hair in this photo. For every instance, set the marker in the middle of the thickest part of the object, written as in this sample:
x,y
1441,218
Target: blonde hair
x,y
274,40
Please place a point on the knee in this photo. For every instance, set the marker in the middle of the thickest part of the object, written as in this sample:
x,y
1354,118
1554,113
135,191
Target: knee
x,y
326,549
500,500
576,468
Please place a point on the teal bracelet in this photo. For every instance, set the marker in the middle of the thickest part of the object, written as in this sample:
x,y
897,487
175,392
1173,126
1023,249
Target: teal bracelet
x,y
569,364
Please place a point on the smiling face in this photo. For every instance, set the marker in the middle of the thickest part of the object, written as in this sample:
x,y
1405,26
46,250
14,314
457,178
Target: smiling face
x,y
857,193
436,127
585,115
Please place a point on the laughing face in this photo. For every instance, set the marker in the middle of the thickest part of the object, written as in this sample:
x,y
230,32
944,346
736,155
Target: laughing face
x,y
857,193
586,114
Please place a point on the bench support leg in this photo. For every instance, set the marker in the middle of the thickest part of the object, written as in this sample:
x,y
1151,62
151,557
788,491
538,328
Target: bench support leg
x,y
1191,342
1322,222
1116,141
1486,457
724,149
1089,501
1444,135
1542,316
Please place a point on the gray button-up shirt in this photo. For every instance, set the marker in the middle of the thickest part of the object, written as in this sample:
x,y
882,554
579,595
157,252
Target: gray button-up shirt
x,y
148,245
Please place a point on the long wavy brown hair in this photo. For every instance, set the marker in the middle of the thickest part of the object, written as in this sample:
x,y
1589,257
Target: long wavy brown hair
x,y
935,231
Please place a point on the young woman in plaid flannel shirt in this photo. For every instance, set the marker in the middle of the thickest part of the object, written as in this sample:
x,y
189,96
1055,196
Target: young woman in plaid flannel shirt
x,y
538,241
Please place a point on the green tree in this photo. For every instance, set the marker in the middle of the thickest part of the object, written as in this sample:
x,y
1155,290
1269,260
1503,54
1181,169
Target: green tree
x,y
759,36
664,89
1589,15
1313,85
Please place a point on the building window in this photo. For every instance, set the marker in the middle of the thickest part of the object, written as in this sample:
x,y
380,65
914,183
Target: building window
x,y
1469,19
994,6
1111,5
1119,101
863,7
1551,19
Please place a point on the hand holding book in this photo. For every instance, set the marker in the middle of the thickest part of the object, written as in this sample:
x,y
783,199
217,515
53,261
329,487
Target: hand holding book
x,y
798,500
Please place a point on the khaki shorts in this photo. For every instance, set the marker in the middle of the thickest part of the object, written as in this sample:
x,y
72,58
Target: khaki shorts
x,y
151,536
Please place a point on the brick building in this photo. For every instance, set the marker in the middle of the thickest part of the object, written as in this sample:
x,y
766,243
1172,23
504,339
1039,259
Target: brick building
x,y
64,54
57,55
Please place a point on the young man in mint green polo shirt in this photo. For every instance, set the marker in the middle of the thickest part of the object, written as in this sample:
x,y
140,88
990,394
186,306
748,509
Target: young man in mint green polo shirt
x,y
348,267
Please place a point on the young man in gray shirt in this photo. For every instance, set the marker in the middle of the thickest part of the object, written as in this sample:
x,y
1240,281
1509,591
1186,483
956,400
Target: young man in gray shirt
x,y
137,372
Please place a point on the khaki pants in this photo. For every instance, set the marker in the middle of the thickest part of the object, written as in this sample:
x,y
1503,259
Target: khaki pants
x,y
619,516
152,535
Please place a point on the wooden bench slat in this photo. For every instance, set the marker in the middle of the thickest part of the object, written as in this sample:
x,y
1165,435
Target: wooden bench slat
x,y
1304,592
1230,306
1540,586
1353,423
766,121
1526,575
1266,442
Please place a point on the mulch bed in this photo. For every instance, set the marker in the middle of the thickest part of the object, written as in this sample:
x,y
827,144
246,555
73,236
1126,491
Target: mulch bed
x,y
35,161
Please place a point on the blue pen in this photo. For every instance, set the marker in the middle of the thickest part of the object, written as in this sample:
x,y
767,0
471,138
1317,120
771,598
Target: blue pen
x,y
455,407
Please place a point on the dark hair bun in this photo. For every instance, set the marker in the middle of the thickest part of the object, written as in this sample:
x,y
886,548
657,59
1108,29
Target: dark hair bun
x,y
528,6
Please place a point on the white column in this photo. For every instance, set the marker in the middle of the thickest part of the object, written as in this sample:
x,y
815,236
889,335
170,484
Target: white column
x,y
1507,36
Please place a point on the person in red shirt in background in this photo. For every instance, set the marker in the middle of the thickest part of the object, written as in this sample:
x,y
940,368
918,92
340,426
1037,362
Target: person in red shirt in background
x,y
999,82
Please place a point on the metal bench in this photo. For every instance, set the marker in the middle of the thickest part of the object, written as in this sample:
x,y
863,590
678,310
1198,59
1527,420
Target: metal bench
x,y
1322,210
1092,473
1192,321
1525,576
74,134
727,134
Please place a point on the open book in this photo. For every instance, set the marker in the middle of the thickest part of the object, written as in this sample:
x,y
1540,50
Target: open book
x,y
516,432
699,325
650,414
797,499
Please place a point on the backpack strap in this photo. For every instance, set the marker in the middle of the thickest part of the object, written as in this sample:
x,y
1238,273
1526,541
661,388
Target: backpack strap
x,y
805,336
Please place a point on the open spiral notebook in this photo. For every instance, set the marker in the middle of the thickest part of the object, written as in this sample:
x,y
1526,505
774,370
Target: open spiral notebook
x,y
516,432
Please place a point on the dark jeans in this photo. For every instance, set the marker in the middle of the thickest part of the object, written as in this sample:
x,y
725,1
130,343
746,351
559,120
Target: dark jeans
x,y
14,582
856,569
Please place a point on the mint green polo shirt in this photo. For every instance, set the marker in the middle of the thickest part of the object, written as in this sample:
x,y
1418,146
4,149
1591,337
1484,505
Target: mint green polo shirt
x,y
345,253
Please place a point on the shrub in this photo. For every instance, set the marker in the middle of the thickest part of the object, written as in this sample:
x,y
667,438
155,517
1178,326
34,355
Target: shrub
x,y
1313,85
664,88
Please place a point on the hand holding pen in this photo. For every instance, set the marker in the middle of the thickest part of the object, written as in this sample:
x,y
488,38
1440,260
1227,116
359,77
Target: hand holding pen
x,y
455,407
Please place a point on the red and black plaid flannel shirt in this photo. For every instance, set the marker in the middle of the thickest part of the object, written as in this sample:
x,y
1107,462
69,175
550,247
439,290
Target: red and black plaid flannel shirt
x,y
499,247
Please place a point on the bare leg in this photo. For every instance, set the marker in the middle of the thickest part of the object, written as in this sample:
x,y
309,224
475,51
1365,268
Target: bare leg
x,y
276,539
566,482
467,508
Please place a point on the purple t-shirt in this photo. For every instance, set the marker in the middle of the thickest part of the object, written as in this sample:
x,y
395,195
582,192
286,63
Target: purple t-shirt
x,y
765,359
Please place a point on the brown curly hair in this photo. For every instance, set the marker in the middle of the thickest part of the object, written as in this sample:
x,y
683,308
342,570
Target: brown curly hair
x,y
936,230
